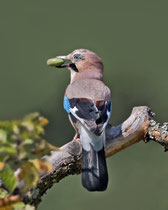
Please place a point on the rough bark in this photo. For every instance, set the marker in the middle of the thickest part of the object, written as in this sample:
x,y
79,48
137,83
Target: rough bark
x,y
67,161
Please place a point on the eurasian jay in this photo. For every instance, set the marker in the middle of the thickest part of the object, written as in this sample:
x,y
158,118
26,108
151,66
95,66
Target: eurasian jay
x,y
87,101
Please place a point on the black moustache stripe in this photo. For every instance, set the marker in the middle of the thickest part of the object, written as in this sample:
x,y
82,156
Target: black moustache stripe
x,y
73,66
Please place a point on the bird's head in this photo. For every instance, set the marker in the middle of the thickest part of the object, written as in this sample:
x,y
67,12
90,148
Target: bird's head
x,y
79,61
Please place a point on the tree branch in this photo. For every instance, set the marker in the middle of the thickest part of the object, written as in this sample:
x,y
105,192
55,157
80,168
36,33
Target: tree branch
x,y
67,161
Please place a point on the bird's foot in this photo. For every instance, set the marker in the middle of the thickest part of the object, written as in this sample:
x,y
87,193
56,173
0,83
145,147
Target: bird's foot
x,y
76,139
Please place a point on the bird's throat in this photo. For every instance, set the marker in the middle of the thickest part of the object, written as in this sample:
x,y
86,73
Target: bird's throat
x,y
73,73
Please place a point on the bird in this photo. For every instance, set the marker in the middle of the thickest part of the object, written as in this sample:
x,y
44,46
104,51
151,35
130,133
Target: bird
x,y
88,103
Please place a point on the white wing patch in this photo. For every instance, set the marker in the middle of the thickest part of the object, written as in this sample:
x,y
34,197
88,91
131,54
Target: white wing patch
x,y
73,111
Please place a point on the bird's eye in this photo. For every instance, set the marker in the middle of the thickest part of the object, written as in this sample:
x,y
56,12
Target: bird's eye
x,y
78,57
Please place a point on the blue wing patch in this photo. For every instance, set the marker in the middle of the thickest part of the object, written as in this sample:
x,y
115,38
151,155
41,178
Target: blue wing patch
x,y
67,105
110,107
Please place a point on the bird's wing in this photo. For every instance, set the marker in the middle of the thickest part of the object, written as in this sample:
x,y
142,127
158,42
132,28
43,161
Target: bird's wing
x,y
93,115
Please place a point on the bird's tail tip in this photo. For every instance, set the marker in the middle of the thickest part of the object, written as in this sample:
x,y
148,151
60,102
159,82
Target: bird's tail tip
x,y
94,170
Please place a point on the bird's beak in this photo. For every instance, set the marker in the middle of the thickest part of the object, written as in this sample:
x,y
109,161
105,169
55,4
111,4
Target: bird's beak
x,y
58,62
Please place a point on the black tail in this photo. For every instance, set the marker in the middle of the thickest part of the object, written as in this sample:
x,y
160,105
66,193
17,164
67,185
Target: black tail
x,y
94,170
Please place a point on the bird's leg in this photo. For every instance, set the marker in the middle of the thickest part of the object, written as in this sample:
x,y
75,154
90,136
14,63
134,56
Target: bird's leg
x,y
76,137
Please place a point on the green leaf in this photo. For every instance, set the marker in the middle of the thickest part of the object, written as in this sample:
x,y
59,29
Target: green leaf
x,y
3,136
3,193
16,129
8,178
29,174
29,207
18,206
22,206
28,125
31,117
7,150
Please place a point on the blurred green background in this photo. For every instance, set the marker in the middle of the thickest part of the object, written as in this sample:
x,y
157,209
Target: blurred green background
x,y
132,39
